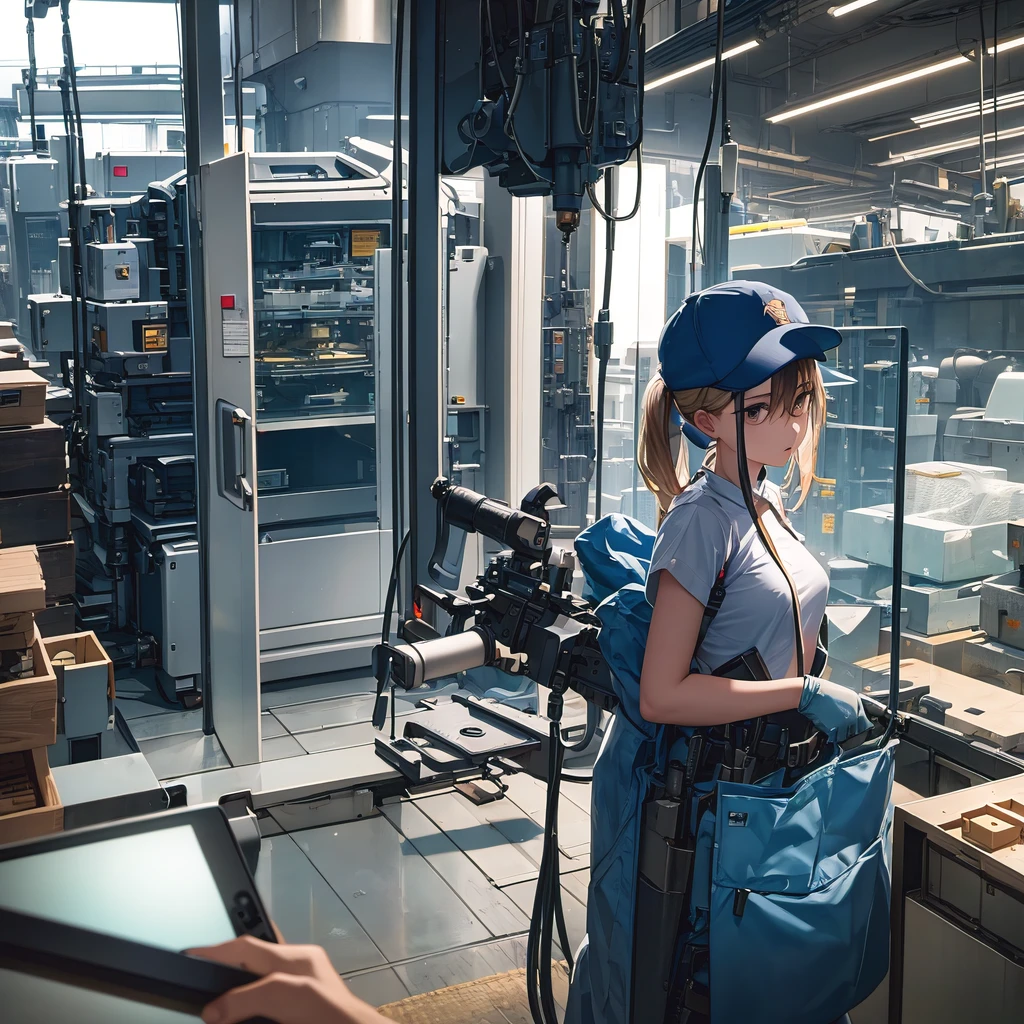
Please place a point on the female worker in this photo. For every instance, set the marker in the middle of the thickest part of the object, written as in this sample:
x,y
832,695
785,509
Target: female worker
x,y
735,345
726,686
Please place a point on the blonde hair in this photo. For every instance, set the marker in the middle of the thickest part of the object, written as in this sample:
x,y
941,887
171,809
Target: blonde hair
x,y
664,477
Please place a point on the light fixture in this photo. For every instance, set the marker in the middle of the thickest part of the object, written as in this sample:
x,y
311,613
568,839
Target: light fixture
x,y
856,5
1004,161
947,147
1006,44
385,117
967,111
699,66
892,135
871,87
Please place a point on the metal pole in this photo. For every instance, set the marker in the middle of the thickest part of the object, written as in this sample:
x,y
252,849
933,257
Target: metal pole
x,y
426,67
203,99
716,230
980,215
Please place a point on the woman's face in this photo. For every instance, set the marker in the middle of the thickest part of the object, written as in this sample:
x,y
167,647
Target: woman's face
x,y
771,437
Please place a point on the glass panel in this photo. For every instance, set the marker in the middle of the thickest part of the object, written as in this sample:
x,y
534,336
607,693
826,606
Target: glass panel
x,y
315,369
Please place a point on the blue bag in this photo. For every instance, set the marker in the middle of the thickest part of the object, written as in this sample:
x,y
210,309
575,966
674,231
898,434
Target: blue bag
x,y
791,886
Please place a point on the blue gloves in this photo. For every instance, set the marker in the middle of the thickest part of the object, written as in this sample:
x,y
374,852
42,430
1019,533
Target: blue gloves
x,y
833,708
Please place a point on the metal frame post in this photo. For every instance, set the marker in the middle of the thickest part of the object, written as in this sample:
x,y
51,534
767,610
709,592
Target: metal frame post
x,y
203,96
716,230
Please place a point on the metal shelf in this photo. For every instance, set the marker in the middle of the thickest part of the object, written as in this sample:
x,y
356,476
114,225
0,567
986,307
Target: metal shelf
x,y
312,422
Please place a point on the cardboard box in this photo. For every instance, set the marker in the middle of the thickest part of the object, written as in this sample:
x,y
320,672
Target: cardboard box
x,y
995,663
28,707
22,398
945,650
32,458
22,588
45,818
42,518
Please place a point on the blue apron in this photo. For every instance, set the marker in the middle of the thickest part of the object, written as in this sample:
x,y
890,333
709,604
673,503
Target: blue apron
x,y
791,885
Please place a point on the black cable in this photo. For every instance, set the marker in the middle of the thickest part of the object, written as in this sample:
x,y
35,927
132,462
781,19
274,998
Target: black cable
x,y
716,83
621,218
397,292
30,84
995,91
69,57
762,532
236,42
602,356
981,106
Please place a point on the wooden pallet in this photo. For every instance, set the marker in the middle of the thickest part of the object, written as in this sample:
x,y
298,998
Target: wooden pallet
x,y
499,999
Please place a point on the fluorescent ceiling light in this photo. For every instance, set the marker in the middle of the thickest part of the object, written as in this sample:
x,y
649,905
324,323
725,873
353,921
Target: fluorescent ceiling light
x,y
1006,44
967,111
947,147
856,5
892,135
1005,161
385,117
699,66
872,87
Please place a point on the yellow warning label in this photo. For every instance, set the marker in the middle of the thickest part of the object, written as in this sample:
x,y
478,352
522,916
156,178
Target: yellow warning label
x,y
828,494
828,523
365,243
922,401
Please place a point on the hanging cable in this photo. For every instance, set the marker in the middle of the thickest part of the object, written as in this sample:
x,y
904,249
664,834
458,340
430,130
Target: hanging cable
x,y
603,335
236,73
983,170
30,80
397,295
762,531
995,90
716,84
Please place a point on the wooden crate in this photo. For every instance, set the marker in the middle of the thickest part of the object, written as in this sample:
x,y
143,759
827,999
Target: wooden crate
x,y
22,588
42,518
45,818
28,707
32,458
58,564
57,620
82,685
22,398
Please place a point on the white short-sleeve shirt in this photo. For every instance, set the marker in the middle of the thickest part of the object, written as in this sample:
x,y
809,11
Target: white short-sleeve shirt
x,y
707,525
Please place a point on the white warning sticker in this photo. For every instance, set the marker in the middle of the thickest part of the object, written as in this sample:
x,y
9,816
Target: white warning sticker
x,y
235,336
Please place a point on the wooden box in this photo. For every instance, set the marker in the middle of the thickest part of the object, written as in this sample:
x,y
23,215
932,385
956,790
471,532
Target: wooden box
x,y
57,620
47,816
32,458
22,588
85,684
28,707
42,518
995,825
22,398
58,565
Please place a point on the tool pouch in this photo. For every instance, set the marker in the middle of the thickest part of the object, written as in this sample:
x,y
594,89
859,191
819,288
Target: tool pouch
x,y
799,895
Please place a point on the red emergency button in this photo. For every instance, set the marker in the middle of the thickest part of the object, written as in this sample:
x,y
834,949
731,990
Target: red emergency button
x,y
120,171
227,302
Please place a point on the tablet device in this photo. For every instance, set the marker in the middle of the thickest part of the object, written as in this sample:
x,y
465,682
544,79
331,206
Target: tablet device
x,y
172,880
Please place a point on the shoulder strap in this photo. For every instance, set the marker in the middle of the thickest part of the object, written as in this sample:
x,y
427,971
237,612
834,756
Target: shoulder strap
x,y
711,609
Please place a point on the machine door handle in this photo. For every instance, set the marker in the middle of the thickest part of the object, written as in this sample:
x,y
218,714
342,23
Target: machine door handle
x,y
234,428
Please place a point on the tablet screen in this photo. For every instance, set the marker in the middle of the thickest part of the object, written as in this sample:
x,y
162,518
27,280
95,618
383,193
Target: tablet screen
x,y
28,1000
153,887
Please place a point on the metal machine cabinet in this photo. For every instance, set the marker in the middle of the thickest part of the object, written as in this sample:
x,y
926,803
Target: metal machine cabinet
x,y
50,328
957,927
112,271
296,352
130,173
171,613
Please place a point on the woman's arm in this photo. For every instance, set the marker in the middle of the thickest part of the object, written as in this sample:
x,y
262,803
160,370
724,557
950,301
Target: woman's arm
x,y
669,694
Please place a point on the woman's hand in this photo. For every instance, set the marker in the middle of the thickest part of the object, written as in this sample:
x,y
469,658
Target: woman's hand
x,y
299,985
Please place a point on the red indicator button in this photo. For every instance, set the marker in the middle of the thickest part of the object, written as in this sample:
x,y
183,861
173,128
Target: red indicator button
x,y
120,171
227,302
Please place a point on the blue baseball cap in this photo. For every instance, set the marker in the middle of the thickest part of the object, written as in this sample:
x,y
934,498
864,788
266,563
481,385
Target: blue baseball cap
x,y
736,335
